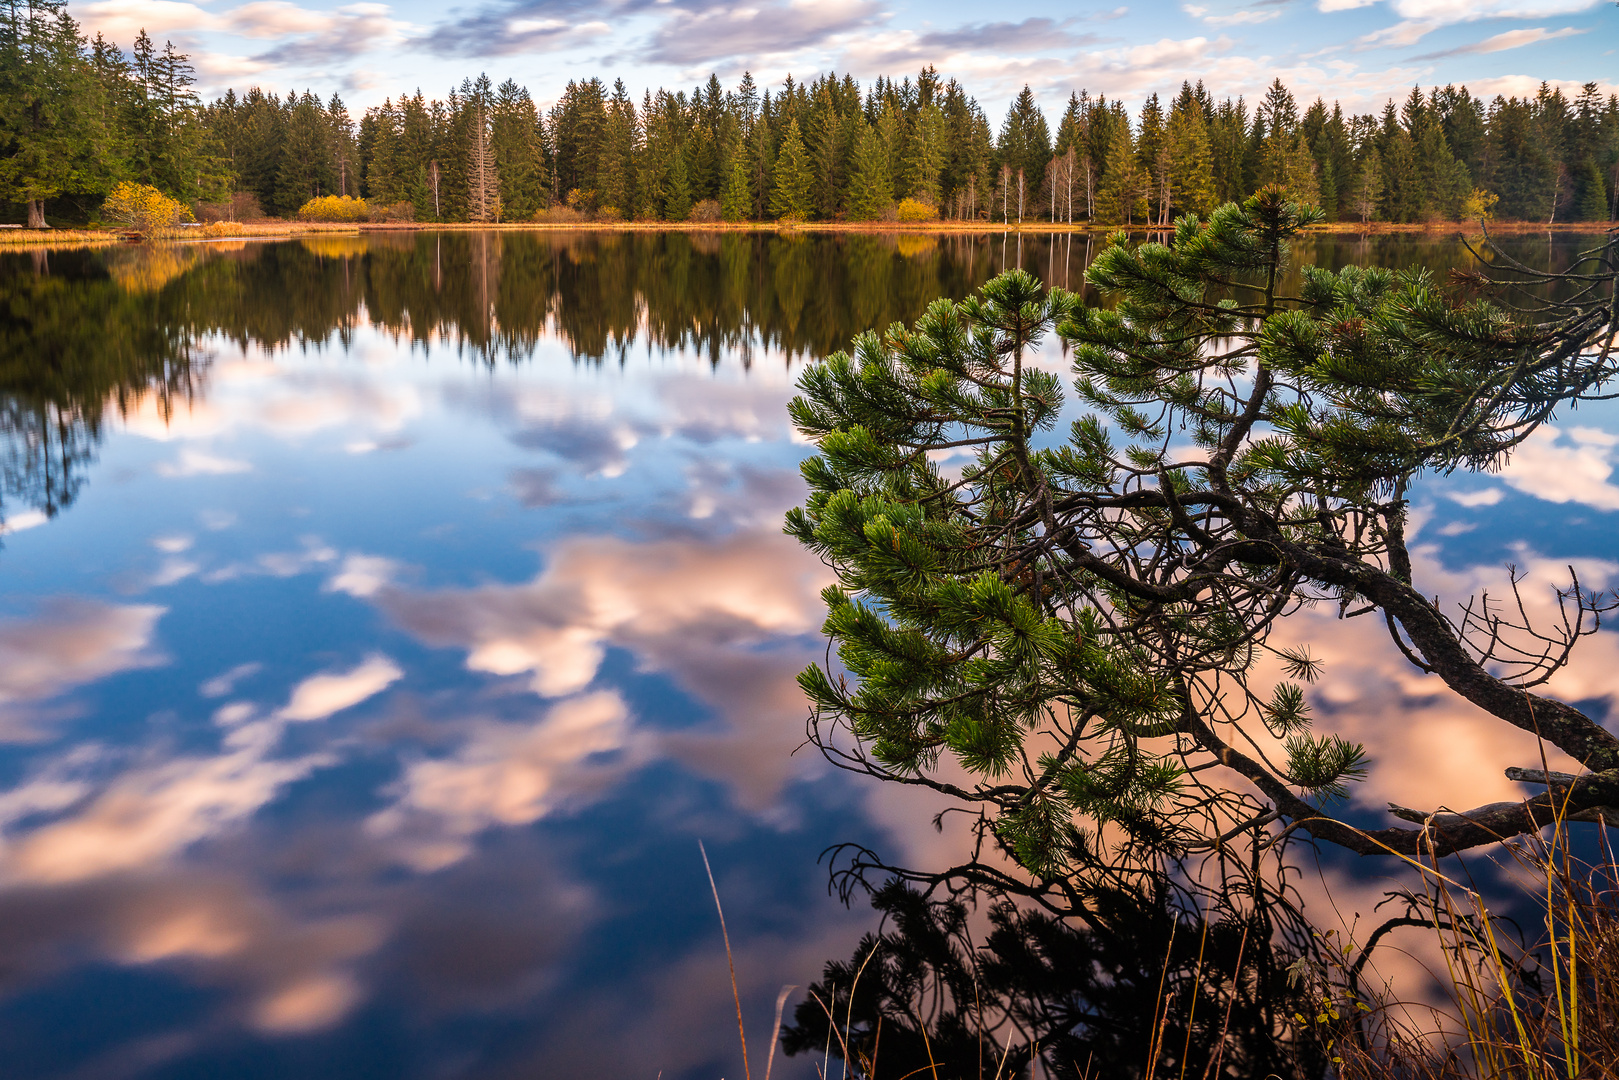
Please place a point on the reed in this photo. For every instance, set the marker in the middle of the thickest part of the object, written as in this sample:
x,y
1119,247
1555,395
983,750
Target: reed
x,y
1544,1009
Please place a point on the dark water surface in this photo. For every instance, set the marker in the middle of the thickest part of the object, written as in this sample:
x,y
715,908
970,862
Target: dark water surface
x,y
385,619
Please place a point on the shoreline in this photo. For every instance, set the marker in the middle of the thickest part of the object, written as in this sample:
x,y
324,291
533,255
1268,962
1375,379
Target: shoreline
x,y
36,238
1032,227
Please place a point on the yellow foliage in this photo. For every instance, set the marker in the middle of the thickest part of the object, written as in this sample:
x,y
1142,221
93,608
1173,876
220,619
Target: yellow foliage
x,y
336,247
334,208
912,246
143,269
144,209
1479,205
916,210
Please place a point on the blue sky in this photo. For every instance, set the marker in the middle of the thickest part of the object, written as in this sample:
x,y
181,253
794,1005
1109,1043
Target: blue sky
x,y
1358,51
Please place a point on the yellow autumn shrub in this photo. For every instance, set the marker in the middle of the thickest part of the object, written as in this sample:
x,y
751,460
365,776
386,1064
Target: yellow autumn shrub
x,y
916,210
340,208
1479,205
144,208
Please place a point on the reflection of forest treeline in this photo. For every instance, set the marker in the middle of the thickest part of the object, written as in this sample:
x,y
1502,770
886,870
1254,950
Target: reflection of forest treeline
x,y
83,334
91,331
494,295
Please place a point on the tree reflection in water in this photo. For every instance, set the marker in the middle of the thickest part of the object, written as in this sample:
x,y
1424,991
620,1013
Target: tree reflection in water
x,y
84,332
96,329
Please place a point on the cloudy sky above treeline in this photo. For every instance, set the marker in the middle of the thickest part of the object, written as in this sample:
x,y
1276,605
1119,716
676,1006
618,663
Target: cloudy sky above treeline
x,y
1358,51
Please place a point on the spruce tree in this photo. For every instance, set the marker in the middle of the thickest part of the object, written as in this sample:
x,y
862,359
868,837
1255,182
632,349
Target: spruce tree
x,y
825,146
382,184
1592,203
925,154
1191,180
761,156
1365,194
345,156
736,199
179,137
306,159
1025,140
1228,141
1152,158
677,200
515,137
890,128
1121,197
482,169
578,125
790,195
51,128
870,191
1403,197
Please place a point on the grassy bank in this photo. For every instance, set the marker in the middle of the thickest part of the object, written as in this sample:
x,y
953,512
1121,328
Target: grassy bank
x,y
55,237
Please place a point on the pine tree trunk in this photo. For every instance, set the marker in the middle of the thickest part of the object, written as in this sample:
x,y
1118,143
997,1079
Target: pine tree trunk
x,y
36,214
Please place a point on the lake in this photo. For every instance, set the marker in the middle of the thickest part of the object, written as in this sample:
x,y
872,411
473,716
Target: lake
x,y
386,618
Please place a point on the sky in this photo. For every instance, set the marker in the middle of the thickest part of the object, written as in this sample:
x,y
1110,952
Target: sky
x,y
1360,52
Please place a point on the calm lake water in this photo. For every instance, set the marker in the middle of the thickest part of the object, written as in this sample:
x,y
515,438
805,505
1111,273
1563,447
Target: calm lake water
x,y
385,619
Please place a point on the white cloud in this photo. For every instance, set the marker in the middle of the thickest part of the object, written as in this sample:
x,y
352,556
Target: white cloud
x,y
220,685
711,614
69,643
312,555
1526,86
1511,39
505,774
601,589
1469,10
1240,17
274,19
309,1004
363,575
319,696
1405,32
148,815
1566,467
197,463
121,20
1418,18
1485,497
173,569
28,519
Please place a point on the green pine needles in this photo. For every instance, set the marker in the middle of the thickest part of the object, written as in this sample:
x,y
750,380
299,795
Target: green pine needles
x,y
1068,633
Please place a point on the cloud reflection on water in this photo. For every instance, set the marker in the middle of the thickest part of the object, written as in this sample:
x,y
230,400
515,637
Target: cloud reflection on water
x,y
394,778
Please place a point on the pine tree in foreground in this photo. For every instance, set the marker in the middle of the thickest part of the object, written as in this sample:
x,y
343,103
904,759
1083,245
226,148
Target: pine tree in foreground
x,y
1064,635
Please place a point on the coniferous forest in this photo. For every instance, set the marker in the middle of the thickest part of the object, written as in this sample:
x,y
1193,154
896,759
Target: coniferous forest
x,y
78,115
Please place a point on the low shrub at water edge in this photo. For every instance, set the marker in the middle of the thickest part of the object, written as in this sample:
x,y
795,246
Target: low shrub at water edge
x,y
399,211
144,209
242,206
916,210
708,210
334,208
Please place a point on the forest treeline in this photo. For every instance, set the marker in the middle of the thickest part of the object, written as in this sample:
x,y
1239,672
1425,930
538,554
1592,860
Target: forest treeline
x,y
78,115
